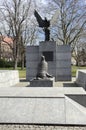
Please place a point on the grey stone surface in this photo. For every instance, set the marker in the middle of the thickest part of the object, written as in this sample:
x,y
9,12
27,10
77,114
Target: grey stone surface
x,y
63,56
42,83
41,105
40,91
61,64
39,127
32,57
63,71
32,64
81,78
32,72
31,49
75,112
63,78
9,78
63,48
47,46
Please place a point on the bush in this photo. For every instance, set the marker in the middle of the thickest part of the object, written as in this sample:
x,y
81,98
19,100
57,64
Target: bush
x,y
5,64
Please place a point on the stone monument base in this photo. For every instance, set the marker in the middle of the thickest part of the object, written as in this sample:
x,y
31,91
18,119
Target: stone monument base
x,y
9,78
57,56
42,82
81,78
43,105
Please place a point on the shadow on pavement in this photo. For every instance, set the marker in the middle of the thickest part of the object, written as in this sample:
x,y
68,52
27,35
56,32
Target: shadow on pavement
x,y
70,85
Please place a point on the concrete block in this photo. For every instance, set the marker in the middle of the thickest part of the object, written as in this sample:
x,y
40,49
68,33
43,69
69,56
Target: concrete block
x,y
42,83
32,110
32,57
63,48
63,78
40,105
28,78
52,65
63,56
32,64
50,111
52,72
81,78
63,64
32,49
80,98
47,46
8,78
32,72
75,112
63,71
54,56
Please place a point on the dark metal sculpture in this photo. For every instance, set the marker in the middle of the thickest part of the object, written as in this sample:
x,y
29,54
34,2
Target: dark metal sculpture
x,y
45,24
43,69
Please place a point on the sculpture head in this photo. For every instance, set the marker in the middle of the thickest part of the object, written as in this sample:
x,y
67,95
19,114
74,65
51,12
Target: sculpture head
x,y
42,58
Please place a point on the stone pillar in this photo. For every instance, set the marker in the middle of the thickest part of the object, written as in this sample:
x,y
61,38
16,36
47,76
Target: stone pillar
x,y
48,49
32,60
63,63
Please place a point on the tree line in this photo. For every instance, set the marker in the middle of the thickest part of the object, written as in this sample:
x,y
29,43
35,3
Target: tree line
x,y
17,21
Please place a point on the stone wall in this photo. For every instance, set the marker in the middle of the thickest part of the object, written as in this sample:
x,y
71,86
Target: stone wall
x,y
63,63
81,78
8,78
49,47
59,60
40,127
32,59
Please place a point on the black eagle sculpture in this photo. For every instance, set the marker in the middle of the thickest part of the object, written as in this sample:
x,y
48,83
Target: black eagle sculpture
x,y
45,24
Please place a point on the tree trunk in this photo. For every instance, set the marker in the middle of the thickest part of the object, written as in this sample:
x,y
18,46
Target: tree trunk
x,y
15,63
0,49
22,61
77,63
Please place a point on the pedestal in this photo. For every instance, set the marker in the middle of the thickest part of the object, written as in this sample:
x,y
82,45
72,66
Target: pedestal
x,y
42,83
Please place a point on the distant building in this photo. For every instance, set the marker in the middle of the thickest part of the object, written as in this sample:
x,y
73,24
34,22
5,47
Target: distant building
x,y
6,45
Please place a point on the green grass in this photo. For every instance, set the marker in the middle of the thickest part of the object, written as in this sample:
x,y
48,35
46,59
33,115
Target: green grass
x,y
22,73
74,69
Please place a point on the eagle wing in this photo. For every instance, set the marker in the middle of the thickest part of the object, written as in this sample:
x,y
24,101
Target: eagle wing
x,y
39,19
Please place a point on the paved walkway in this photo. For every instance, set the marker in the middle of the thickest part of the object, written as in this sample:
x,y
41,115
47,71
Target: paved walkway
x,y
17,91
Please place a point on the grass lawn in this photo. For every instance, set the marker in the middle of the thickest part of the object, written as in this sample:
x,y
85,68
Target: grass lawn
x,y
74,69
22,73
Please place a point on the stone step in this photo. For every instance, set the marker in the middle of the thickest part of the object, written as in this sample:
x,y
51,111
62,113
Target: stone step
x,y
75,112
41,105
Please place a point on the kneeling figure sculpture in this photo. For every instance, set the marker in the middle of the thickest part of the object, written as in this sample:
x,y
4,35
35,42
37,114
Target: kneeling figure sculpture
x,y
42,72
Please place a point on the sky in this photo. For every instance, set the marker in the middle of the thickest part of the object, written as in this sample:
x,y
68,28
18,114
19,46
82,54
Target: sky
x,y
44,2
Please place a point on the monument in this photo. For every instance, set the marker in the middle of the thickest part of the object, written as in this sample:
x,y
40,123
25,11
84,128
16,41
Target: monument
x,y
57,56
45,24
43,78
43,69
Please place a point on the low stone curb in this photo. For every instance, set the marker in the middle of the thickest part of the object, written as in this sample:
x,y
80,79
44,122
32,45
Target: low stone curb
x,y
40,127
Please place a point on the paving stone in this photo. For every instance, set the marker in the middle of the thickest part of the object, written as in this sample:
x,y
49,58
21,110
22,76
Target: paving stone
x,y
38,127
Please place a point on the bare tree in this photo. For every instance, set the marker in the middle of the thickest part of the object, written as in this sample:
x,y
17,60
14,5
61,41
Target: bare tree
x,y
71,21
15,17
79,51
